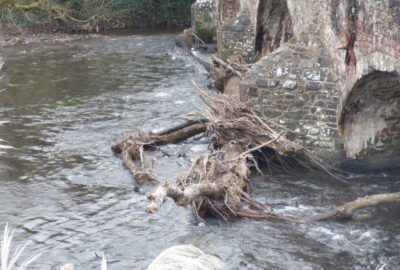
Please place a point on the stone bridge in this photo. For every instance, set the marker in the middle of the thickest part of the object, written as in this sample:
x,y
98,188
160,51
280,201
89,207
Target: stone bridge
x,y
327,69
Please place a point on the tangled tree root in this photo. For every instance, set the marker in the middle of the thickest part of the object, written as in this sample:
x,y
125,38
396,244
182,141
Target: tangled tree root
x,y
217,184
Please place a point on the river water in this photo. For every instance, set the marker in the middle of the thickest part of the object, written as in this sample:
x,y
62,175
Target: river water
x,y
61,107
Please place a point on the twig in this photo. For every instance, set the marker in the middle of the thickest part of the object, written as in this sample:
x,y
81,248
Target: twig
x,y
242,155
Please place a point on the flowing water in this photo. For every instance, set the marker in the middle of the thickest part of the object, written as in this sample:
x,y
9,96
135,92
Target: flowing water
x,y
63,105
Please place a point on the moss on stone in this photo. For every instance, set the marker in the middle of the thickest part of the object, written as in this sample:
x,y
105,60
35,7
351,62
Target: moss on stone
x,y
206,29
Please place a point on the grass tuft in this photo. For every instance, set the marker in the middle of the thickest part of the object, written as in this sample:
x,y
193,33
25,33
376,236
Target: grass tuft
x,y
9,262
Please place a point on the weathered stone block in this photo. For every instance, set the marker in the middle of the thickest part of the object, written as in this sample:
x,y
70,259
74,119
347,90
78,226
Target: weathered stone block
x,y
313,86
289,84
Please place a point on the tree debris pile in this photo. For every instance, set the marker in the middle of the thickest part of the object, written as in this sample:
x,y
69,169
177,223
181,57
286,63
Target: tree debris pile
x,y
230,120
217,185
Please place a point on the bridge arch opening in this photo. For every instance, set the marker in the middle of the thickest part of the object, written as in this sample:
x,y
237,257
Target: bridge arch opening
x,y
370,120
274,26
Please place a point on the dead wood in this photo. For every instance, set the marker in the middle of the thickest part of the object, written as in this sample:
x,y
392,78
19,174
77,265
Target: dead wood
x,y
179,135
132,148
226,65
222,71
347,210
217,184
182,197
185,124
213,188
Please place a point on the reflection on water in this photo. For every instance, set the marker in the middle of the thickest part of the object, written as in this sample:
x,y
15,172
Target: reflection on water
x,y
63,105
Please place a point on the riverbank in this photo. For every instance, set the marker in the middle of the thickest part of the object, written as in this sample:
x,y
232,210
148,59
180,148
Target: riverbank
x,y
42,38
91,16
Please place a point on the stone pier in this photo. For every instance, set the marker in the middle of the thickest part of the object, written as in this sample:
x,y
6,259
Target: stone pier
x,y
327,69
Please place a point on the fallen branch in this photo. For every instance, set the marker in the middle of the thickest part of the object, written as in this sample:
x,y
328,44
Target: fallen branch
x,y
182,197
131,148
226,65
185,124
347,210
141,176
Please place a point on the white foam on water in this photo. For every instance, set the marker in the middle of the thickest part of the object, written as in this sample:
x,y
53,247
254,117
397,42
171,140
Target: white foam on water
x,y
294,210
3,143
6,147
353,240
162,94
197,148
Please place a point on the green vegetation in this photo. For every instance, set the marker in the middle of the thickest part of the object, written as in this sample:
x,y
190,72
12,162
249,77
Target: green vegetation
x,y
206,29
93,15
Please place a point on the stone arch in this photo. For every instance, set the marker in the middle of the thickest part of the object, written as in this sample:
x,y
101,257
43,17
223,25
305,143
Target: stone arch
x,y
370,119
228,9
274,25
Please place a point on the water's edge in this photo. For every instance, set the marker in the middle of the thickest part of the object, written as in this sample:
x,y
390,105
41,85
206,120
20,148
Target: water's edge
x,y
61,107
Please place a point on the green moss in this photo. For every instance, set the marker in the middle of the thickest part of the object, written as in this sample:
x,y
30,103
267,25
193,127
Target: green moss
x,y
206,29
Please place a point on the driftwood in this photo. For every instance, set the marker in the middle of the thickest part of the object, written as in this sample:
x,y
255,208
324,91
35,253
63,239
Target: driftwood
x,y
217,184
222,71
347,210
182,197
226,65
132,148
213,188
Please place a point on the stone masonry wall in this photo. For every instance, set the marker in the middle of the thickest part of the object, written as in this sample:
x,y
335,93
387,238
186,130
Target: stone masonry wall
x,y
308,84
237,36
237,31
295,86
252,27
